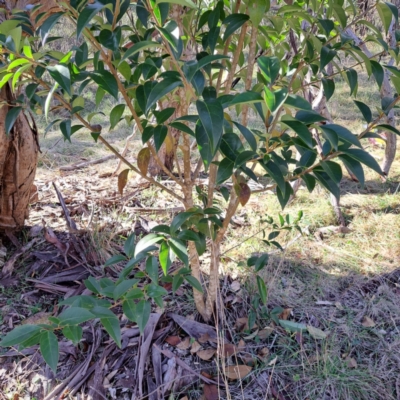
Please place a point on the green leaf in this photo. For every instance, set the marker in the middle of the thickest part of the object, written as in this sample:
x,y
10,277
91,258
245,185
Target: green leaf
x,y
188,234
110,322
152,268
160,133
60,73
385,14
329,87
301,130
185,3
261,262
333,170
269,67
129,245
135,293
327,55
176,282
309,117
275,100
153,290
276,174
182,127
179,249
298,102
194,283
180,219
292,326
342,133
201,244
378,72
123,287
365,110
211,116
327,182
389,128
257,9
364,158
106,81
73,333
115,115
233,22
248,135
11,117
129,309
225,170
355,167
160,90
394,11
143,309
146,242
19,335
262,289
47,25
163,115
65,127
340,14
86,15
165,257
146,44
353,80
49,349
246,98
74,316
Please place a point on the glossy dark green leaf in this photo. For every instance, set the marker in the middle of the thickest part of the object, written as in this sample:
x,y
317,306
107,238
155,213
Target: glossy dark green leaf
x,y
204,146
48,25
11,117
389,128
327,25
333,169
161,89
298,102
331,136
247,97
355,168
365,110
260,262
60,73
182,127
65,127
187,235
160,133
176,282
179,249
164,115
233,22
329,87
309,117
342,133
364,158
211,115
307,159
269,67
129,309
204,61
179,220
109,39
147,242
106,81
328,183
248,135
129,245
244,156
49,349
201,244
225,170
116,114
378,72
194,283
327,55
121,288
385,14
352,77
310,181
301,130
276,174
152,268
283,198
153,290
86,15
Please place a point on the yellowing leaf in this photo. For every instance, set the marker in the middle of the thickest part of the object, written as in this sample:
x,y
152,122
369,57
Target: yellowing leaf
x,y
316,333
237,371
122,180
143,160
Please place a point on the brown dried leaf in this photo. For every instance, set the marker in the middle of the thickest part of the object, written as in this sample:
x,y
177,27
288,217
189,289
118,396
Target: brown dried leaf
x,y
206,354
242,324
367,322
211,392
184,344
235,286
204,338
173,340
252,336
122,180
264,352
351,362
241,344
38,318
248,359
265,333
184,398
143,160
226,350
237,371
243,192
285,314
196,346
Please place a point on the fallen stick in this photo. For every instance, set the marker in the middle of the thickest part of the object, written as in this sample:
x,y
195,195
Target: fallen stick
x,y
84,164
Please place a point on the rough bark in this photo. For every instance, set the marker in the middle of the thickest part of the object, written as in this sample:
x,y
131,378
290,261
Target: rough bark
x,y
18,159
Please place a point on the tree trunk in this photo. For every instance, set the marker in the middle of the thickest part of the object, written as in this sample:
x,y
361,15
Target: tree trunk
x,y
18,160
